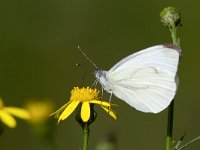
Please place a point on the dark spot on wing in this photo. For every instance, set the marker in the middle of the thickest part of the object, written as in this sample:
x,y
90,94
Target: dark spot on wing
x,y
155,70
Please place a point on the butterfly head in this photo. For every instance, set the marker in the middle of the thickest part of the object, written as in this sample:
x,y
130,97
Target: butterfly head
x,y
99,74
102,78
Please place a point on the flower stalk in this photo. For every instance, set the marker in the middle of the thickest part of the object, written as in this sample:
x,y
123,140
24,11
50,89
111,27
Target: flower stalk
x,y
170,121
86,131
170,17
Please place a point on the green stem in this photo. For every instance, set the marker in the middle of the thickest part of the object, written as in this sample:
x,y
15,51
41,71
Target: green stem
x,y
170,126
170,119
86,131
173,31
190,142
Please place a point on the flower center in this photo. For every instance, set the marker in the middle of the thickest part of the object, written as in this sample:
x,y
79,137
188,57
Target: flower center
x,y
84,94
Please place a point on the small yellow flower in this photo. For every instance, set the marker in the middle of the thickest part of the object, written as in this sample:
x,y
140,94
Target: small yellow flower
x,y
85,97
7,113
39,110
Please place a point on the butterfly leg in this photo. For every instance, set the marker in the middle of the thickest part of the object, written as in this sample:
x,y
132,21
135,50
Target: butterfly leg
x,y
101,92
95,83
110,97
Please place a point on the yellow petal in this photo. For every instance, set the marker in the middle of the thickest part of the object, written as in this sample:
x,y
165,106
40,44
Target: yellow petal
x,y
7,119
111,112
68,110
60,110
18,112
85,111
103,103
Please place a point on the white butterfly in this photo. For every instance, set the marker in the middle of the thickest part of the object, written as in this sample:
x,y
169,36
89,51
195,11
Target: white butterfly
x,y
146,79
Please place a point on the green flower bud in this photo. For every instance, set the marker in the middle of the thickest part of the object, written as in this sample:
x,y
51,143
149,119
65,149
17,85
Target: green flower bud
x,y
170,16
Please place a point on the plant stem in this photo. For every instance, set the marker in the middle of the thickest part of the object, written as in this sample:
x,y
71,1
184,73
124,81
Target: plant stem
x,y
86,131
190,142
173,31
170,126
170,119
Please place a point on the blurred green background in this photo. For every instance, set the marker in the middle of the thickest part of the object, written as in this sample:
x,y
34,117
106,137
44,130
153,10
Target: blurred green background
x,y
38,57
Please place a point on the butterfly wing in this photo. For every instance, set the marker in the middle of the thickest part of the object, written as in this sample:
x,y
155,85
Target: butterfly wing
x,y
146,79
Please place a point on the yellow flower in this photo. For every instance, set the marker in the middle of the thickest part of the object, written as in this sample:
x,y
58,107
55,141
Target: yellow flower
x,y
7,113
39,110
85,97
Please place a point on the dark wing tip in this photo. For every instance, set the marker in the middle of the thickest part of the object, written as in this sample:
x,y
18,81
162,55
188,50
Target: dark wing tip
x,y
175,47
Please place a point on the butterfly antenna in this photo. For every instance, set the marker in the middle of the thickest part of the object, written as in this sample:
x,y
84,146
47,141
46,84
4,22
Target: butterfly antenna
x,y
88,58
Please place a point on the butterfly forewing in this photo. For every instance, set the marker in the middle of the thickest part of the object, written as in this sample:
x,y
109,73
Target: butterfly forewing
x,y
146,79
156,56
